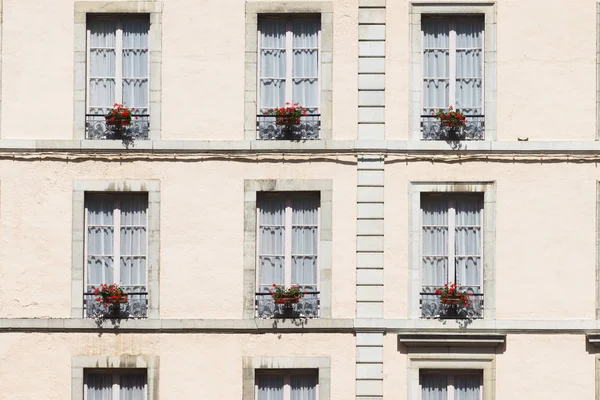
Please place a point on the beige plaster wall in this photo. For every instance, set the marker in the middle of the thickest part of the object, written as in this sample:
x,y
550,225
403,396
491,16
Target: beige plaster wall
x,y
201,259
525,368
202,75
540,77
192,366
545,234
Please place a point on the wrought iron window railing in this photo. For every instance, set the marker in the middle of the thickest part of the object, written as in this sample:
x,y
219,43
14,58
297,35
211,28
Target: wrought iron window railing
x,y
135,307
307,307
433,129
432,306
97,128
308,128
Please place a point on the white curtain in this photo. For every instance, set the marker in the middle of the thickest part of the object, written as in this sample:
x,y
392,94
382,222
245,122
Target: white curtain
x,y
468,242
467,238
100,239
272,240
433,387
305,215
469,71
436,64
272,62
435,241
133,240
103,76
467,387
133,387
135,64
303,387
99,386
306,63
270,386
102,73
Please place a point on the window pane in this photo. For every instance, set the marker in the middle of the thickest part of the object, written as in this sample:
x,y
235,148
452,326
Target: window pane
x,y
436,64
272,62
469,64
135,63
272,239
304,387
133,240
270,386
133,387
102,72
433,387
435,240
100,239
305,68
99,386
467,387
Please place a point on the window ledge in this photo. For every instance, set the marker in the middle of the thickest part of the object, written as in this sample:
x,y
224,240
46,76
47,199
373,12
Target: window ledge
x,y
451,339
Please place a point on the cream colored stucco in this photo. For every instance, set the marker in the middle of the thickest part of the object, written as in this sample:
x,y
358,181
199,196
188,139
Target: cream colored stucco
x,y
544,255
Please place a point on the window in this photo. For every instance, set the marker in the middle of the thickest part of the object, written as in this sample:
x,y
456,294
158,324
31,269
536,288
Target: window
x,y
121,385
288,385
289,73
116,250
465,385
117,70
453,65
452,249
288,237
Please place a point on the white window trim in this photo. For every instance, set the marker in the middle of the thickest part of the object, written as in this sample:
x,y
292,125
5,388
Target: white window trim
x,y
289,197
452,68
452,240
281,364
78,260
116,385
81,364
489,11
453,360
450,375
82,10
325,189
253,10
287,373
116,243
289,63
118,66
488,239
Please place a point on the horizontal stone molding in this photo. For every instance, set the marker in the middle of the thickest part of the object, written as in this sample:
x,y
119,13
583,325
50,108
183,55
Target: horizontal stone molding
x,y
336,325
387,147
453,339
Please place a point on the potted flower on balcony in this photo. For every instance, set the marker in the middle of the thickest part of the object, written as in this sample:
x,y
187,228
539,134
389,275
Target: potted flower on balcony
x,y
118,119
287,297
450,295
453,120
288,117
111,296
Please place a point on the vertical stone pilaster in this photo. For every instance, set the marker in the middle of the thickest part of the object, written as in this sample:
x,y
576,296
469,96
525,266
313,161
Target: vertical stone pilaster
x,y
370,197
371,69
369,275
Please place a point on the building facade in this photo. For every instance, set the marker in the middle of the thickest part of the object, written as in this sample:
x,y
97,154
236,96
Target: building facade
x,y
202,199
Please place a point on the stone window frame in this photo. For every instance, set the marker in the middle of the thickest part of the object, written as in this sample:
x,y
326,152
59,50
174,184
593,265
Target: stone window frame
x,y
253,10
489,11
79,364
451,360
488,189
80,187
82,10
251,364
325,189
